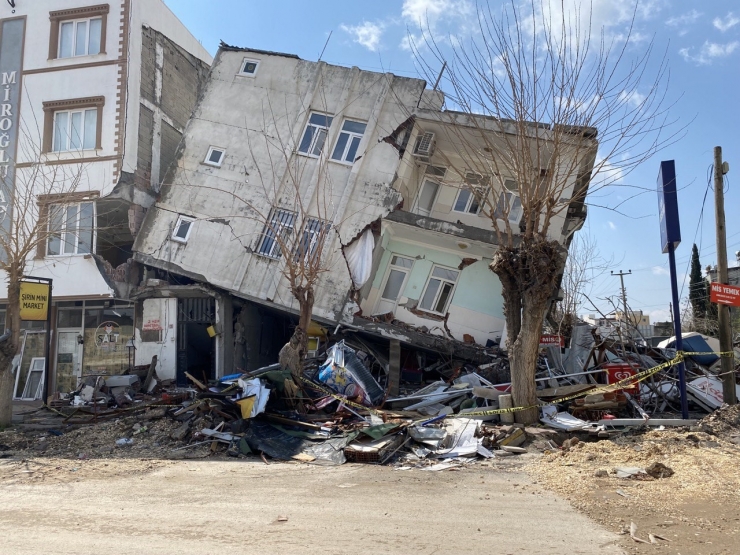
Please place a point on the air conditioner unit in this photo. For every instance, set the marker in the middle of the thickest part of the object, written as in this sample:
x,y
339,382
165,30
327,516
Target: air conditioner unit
x,y
424,145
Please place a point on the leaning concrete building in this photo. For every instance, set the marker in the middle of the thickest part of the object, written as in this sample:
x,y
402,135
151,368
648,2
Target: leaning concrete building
x,y
102,93
280,146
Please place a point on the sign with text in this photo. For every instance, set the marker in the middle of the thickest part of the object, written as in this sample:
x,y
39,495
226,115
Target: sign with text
x,y
35,301
724,294
670,228
12,33
550,340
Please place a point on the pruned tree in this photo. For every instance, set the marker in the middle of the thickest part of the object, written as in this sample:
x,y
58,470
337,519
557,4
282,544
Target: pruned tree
x,y
548,104
33,218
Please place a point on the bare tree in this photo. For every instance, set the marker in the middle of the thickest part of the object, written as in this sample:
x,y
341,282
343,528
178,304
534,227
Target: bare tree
x,y
546,107
582,266
32,219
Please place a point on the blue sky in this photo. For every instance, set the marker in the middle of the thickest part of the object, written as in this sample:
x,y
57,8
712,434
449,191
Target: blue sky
x,y
702,41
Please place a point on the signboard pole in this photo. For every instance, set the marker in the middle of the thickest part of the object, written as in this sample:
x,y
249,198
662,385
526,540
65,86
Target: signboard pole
x,y
670,238
46,299
677,331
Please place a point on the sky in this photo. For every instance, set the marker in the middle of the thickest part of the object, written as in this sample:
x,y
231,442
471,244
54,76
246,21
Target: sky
x,y
701,42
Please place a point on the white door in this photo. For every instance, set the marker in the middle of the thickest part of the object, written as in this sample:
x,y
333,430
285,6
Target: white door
x,y
427,197
395,280
68,360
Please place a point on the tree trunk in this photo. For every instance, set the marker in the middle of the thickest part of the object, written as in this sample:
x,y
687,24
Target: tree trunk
x,y
9,349
293,354
528,274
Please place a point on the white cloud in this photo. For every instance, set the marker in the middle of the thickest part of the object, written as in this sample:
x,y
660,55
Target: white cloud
x,y
612,226
423,17
660,316
708,52
367,34
684,19
660,271
634,98
729,22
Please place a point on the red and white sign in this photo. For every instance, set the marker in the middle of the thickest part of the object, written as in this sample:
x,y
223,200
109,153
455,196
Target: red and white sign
x,y
551,340
617,372
152,325
725,294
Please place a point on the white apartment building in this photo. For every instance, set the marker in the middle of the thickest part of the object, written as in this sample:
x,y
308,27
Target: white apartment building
x,y
97,97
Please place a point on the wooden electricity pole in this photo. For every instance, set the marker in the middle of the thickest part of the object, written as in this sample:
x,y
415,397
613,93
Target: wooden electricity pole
x,y
723,311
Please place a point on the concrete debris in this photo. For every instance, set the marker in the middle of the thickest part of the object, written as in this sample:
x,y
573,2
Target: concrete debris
x,y
339,409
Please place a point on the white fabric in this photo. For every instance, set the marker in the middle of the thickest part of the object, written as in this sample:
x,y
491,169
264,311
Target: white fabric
x,y
359,257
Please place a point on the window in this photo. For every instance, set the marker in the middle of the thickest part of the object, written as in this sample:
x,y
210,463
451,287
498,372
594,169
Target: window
x,y
277,230
80,37
509,206
438,291
215,156
249,67
468,199
399,269
75,130
315,134
73,125
181,232
71,228
78,31
314,233
348,141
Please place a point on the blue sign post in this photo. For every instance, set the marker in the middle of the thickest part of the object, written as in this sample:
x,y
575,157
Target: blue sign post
x,y
670,238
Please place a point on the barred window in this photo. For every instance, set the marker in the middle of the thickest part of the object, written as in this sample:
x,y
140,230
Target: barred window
x,y
314,233
278,228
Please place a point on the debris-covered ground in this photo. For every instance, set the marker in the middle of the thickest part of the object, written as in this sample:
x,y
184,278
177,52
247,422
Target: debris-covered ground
x,y
693,501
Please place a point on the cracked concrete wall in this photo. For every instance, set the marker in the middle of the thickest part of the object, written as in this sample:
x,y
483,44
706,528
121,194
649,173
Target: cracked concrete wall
x,y
259,120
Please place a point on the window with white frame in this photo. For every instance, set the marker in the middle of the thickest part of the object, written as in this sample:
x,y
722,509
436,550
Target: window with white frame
x,y
349,141
75,130
80,37
398,271
181,231
249,67
314,234
315,134
469,199
438,290
277,230
71,229
215,156
509,206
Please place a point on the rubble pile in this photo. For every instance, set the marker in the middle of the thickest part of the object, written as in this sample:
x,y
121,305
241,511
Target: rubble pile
x,y
337,409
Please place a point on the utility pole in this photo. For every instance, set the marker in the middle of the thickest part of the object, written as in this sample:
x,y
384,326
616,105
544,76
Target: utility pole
x,y
621,275
727,363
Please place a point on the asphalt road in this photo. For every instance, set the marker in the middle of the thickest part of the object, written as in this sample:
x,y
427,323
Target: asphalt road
x,y
218,507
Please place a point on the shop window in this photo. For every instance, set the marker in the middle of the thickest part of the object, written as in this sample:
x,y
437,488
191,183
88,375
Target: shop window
x,y
107,331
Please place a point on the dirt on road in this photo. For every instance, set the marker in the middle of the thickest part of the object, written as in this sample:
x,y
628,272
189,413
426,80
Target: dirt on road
x,y
127,506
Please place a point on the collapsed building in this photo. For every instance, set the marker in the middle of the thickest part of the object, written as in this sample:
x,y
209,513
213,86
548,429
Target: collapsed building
x,y
360,165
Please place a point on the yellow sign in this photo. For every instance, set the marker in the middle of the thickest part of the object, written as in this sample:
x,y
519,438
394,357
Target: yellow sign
x,y
34,301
